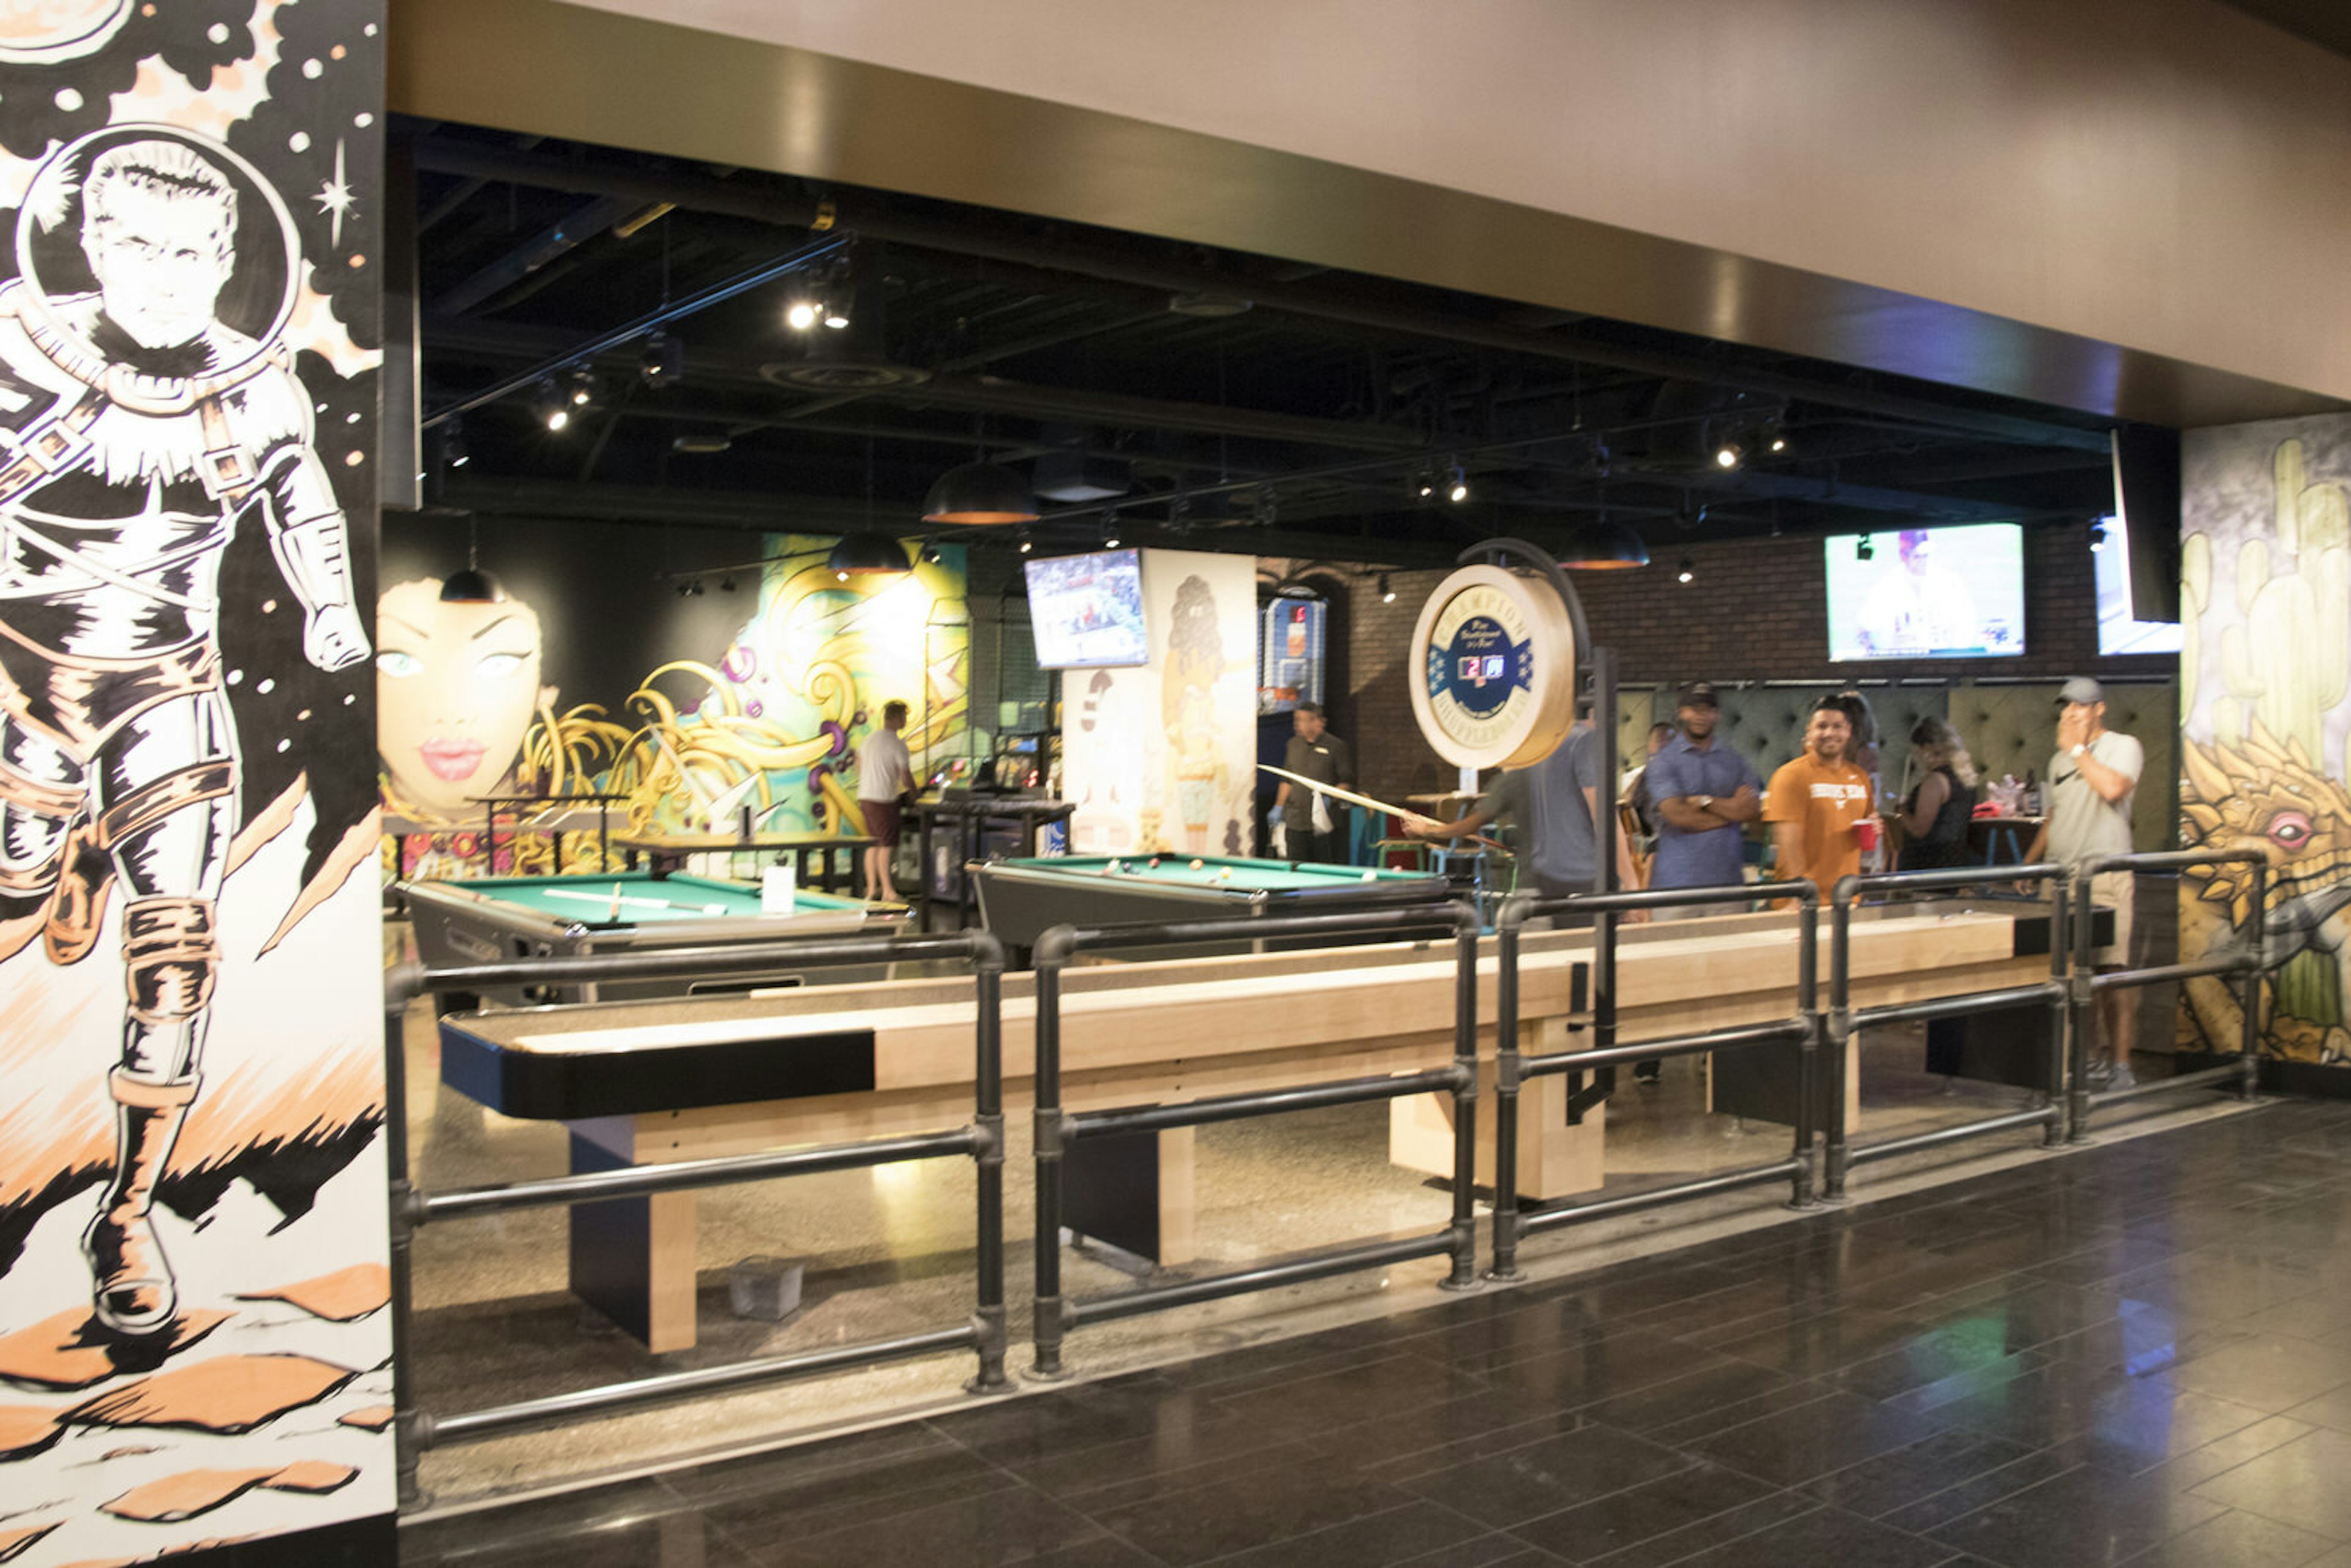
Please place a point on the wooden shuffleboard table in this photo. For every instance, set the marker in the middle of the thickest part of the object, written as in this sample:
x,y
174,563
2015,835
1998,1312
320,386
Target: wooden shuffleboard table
x,y
652,1081
1018,899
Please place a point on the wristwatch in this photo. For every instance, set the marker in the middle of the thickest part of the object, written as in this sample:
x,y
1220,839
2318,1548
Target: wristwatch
x,y
2078,749
1706,802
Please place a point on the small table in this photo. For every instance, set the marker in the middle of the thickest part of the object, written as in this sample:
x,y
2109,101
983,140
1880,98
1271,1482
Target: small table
x,y
2001,841
668,852
966,821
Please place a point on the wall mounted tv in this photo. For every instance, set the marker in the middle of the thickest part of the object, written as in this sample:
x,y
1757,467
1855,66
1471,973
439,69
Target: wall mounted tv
x,y
1926,593
1085,612
2118,631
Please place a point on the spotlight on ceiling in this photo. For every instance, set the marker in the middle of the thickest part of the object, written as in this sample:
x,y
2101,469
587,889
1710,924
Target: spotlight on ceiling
x,y
727,583
2098,536
471,585
1026,544
664,362
452,445
836,315
582,389
802,314
1387,594
1604,546
1425,485
1862,550
978,494
1110,531
1729,455
553,409
932,555
1458,491
1688,571
866,555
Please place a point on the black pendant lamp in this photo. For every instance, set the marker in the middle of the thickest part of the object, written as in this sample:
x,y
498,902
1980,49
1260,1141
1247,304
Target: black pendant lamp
x,y
978,494
866,555
1604,546
472,585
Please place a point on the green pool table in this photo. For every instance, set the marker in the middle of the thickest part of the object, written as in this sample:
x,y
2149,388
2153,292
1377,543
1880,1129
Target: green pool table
x,y
498,917
1018,899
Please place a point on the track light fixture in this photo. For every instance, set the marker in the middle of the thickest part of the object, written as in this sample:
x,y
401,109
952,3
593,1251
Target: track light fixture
x,y
453,445
1458,490
664,364
836,315
549,403
802,313
582,389
1729,455
2097,537
1686,572
1110,529
1026,544
1425,484
1862,550
1387,594
932,555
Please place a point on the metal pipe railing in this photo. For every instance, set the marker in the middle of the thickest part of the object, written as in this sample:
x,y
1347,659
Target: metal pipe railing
x,y
2249,962
1844,1022
982,1140
1514,1068
1056,1129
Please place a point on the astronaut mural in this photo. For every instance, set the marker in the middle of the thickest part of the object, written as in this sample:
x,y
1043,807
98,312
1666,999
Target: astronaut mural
x,y
2265,669
192,1235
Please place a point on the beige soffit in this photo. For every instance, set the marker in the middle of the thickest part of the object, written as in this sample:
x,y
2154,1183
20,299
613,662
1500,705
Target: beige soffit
x,y
2080,181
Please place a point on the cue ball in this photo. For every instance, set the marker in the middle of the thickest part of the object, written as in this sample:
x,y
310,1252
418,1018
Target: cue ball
x,y
1113,866
1199,865
1370,876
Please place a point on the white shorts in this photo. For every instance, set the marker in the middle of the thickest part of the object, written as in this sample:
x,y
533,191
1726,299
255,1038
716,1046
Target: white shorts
x,y
2116,889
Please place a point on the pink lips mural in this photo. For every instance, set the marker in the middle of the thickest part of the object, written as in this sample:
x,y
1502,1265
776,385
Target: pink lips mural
x,y
452,759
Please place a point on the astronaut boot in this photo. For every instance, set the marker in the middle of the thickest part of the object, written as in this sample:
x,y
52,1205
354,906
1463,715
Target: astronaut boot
x,y
132,1288
78,907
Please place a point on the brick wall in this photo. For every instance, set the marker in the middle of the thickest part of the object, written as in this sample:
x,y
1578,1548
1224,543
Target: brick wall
x,y
1755,611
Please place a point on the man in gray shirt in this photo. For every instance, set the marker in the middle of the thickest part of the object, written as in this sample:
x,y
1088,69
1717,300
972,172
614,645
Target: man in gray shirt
x,y
1553,802
2092,778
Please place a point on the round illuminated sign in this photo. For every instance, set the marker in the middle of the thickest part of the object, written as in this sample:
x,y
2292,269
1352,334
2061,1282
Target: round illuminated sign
x,y
1494,678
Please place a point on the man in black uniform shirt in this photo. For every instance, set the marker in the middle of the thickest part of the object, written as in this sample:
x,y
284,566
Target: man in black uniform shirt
x,y
1314,753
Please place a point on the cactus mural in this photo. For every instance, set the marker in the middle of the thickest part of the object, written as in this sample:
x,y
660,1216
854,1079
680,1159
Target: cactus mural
x,y
2266,667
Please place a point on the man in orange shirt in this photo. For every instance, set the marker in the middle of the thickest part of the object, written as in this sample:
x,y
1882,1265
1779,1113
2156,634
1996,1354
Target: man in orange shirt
x,y
1816,804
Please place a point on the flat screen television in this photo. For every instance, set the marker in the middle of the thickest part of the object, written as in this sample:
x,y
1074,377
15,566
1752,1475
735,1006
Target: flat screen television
x,y
1085,612
2110,565
1928,593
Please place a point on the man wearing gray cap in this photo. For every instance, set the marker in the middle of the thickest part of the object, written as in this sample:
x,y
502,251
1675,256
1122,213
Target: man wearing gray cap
x,y
2092,779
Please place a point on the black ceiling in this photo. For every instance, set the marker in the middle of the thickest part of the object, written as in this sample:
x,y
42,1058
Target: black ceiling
x,y
1245,403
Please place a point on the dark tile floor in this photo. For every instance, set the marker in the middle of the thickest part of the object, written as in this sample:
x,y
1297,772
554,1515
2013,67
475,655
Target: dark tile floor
x,y
2140,1353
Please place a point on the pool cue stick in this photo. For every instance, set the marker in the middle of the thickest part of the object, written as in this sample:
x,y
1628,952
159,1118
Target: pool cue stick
x,y
1367,802
616,903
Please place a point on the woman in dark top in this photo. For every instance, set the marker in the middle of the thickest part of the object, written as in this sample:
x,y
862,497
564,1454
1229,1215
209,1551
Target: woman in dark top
x,y
1934,817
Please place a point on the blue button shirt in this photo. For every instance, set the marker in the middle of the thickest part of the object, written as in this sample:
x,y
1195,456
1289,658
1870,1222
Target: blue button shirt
x,y
1713,858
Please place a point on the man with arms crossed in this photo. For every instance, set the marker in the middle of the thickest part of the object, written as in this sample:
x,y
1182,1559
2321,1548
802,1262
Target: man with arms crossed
x,y
2092,780
1705,794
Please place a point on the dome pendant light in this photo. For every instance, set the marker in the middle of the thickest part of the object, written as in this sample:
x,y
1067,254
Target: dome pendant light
x,y
978,494
1604,546
866,555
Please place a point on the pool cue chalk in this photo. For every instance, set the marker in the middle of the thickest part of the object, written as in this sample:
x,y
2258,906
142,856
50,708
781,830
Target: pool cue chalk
x,y
1199,865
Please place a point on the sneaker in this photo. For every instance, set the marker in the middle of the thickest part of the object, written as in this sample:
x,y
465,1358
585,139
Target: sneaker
x,y
1649,1072
2122,1077
2099,1074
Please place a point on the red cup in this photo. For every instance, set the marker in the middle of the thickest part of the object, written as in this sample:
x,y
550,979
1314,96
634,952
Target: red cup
x,y
1864,834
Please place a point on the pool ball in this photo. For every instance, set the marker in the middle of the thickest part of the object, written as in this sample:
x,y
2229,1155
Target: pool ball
x,y
1226,874
1155,862
1116,865
1370,876
1199,865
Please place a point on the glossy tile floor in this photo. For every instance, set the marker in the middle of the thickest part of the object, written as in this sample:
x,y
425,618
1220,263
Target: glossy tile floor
x,y
2139,1353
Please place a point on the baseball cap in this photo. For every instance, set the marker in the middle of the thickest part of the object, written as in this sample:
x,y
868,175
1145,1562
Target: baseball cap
x,y
2081,689
1698,693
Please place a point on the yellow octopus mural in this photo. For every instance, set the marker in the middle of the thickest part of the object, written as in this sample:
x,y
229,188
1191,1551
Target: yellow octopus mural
x,y
2257,742
770,726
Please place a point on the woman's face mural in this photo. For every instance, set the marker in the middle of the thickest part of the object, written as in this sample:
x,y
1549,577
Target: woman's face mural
x,y
456,685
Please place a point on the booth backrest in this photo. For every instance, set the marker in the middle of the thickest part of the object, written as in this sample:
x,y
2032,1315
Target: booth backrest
x,y
2007,729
